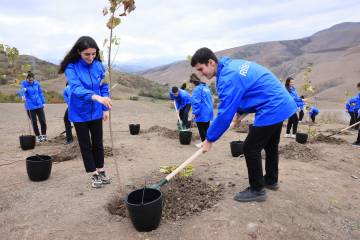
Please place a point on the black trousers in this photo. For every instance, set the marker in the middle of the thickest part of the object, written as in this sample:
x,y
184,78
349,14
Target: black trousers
x,y
39,112
259,138
90,137
203,127
358,137
184,114
353,119
301,115
312,118
292,122
67,123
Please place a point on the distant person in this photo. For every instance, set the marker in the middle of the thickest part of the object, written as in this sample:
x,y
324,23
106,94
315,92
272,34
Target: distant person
x,y
67,123
293,120
350,108
33,96
202,106
89,104
183,104
313,112
247,87
183,86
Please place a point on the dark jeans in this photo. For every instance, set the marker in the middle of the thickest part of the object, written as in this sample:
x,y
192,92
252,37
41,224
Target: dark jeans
x,y
39,112
184,114
353,119
358,138
67,123
313,118
90,137
292,122
301,115
203,127
259,138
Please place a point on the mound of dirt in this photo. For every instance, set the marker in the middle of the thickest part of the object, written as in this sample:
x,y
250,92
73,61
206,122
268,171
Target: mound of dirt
x,y
332,131
298,151
183,197
163,131
331,140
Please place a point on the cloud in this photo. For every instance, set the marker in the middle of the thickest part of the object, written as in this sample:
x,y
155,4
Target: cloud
x,y
166,29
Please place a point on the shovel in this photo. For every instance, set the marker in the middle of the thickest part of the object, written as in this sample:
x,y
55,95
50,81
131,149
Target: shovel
x,y
165,180
177,114
344,129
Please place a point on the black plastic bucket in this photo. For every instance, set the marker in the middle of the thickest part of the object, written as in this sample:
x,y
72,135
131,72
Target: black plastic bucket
x,y
134,129
250,126
185,137
237,148
301,138
38,167
145,208
27,142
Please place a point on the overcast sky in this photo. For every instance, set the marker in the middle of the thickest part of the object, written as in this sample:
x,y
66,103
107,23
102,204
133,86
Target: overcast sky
x,y
163,31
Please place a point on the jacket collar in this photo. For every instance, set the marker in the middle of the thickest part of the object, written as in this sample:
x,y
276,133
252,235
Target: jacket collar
x,y
223,62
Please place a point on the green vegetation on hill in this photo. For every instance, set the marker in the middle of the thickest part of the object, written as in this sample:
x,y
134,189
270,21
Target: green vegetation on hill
x,y
50,96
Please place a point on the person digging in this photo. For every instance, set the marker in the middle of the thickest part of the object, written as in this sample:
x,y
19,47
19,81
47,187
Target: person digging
x,y
183,104
246,87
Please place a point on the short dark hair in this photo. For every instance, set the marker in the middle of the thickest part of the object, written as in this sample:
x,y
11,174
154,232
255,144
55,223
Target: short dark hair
x,y
30,75
81,44
202,56
358,85
175,89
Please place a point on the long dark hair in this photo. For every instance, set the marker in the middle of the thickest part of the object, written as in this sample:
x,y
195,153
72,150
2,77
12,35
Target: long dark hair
x,y
73,55
287,83
194,79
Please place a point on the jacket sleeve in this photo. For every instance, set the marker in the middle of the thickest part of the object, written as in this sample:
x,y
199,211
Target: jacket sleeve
x,y
66,96
347,106
76,86
22,90
196,101
171,95
41,94
231,90
104,91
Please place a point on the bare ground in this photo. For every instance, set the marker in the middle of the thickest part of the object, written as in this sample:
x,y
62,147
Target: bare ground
x,y
319,196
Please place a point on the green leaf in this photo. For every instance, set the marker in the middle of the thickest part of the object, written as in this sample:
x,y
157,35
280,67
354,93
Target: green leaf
x,y
113,22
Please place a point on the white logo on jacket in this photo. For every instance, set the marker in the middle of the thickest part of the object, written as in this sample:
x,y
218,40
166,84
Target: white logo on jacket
x,y
244,68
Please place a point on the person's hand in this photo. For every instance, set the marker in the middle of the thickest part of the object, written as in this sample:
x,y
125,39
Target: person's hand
x,y
206,147
106,101
236,120
106,115
23,98
44,105
24,89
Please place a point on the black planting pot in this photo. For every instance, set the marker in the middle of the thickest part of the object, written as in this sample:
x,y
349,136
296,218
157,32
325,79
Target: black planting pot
x,y
185,137
27,142
145,208
38,167
237,148
250,126
301,138
134,129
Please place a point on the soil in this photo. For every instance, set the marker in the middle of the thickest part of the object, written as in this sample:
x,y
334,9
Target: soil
x,y
168,133
301,152
331,140
183,197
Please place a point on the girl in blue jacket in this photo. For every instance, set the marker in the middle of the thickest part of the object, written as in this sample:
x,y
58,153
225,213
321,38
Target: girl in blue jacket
x,y
67,123
33,96
89,104
293,120
183,104
253,89
202,106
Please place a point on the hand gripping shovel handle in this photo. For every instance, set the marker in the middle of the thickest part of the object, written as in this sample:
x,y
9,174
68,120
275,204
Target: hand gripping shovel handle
x,y
344,129
177,170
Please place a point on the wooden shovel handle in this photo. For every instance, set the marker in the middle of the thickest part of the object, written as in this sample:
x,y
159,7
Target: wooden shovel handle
x,y
350,126
184,164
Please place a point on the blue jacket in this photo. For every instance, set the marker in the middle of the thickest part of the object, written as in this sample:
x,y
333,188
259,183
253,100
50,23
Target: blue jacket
x,y
85,81
357,106
313,111
67,94
299,102
351,104
182,99
248,87
202,104
34,97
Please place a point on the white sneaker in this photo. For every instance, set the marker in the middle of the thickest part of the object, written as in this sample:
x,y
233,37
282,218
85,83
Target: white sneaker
x,y
198,145
38,139
292,136
288,135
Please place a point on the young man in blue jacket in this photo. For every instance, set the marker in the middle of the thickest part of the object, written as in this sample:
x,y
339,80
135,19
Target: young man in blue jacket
x,y
350,108
183,104
202,106
33,96
67,123
313,112
247,87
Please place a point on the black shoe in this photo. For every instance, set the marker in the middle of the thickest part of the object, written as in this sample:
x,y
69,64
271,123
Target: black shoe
x,y
69,141
274,186
249,195
356,144
104,179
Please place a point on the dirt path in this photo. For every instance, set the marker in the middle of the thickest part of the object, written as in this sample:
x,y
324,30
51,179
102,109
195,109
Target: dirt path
x,y
319,197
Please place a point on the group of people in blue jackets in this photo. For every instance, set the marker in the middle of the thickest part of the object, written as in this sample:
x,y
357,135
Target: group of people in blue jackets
x,y
353,108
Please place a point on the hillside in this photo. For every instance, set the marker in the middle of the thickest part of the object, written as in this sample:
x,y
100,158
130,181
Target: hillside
x,y
334,56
